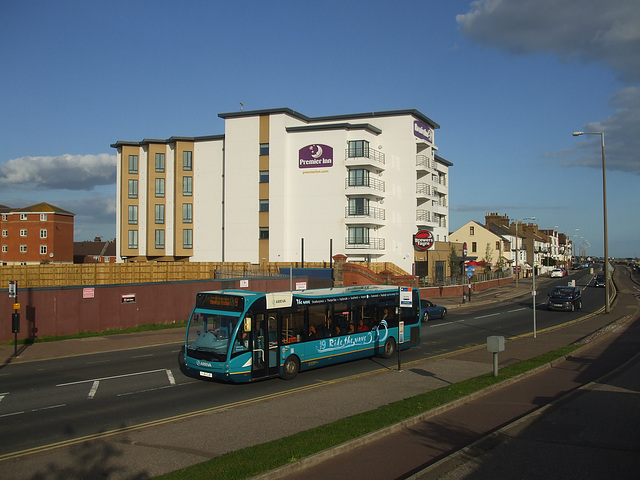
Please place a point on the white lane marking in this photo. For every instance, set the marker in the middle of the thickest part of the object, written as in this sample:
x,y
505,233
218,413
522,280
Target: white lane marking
x,y
110,378
93,390
172,380
445,323
516,310
11,414
49,407
486,316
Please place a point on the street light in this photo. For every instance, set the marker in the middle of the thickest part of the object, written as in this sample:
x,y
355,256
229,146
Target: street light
x,y
518,221
607,308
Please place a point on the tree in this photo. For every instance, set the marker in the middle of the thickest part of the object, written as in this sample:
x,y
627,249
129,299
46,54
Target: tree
x,y
488,258
454,260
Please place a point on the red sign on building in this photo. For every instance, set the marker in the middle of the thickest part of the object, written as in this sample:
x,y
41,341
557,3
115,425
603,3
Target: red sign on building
x,y
423,240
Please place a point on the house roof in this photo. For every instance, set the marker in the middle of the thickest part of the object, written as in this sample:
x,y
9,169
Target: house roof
x,y
42,207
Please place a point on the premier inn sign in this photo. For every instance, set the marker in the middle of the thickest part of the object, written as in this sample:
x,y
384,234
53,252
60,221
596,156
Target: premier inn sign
x,y
315,156
423,131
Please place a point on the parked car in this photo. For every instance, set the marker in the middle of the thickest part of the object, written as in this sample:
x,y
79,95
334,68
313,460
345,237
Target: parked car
x,y
556,272
565,298
599,280
429,311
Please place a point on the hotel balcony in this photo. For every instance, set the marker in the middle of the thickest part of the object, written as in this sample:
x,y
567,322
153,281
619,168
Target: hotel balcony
x,y
365,245
425,164
367,187
364,215
366,157
426,218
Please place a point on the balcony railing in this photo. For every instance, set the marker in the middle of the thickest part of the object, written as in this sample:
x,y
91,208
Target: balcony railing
x,y
364,244
422,161
371,183
365,212
374,155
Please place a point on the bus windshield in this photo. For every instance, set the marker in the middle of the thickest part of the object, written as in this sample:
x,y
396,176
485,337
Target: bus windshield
x,y
210,334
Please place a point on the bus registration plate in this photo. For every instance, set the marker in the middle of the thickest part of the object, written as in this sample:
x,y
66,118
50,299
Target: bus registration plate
x,y
206,374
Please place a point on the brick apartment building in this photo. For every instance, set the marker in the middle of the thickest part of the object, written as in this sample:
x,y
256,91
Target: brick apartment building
x,y
40,233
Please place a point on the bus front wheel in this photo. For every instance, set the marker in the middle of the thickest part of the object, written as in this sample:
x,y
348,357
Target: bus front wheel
x,y
389,348
291,367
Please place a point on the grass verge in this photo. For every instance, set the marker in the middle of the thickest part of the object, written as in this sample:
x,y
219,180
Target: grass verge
x,y
258,459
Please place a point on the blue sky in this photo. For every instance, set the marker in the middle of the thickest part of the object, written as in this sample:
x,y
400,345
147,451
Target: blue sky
x,y
507,80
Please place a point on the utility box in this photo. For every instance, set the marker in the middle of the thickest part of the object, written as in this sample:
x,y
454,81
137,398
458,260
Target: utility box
x,y
495,344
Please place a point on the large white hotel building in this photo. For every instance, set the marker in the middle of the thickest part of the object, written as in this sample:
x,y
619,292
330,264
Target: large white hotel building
x,y
279,186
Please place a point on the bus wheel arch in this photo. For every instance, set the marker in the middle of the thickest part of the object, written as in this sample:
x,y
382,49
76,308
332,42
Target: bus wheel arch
x,y
291,367
389,348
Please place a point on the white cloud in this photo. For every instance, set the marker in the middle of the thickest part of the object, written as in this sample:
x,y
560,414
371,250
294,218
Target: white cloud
x,y
593,31
66,172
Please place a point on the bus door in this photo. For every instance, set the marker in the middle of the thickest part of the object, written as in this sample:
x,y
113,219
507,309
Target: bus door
x,y
265,356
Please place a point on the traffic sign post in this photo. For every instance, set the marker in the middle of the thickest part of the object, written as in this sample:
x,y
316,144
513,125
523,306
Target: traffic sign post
x,y
15,316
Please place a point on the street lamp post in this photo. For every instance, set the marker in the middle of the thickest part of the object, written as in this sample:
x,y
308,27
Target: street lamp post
x,y
517,248
607,308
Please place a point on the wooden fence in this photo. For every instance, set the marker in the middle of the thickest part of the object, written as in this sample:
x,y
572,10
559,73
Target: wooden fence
x,y
61,275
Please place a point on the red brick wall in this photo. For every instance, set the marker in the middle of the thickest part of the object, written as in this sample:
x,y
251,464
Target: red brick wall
x,y
64,311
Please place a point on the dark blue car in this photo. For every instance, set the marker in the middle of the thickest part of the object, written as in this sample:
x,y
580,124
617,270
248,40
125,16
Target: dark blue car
x,y
429,311
565,298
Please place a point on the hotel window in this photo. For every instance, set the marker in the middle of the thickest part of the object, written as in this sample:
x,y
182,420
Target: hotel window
x,y
133,188
187,161
133,163
264,149
358,235
264,176
43,249
159,238
133,214
159,162
5,233
264,205
43,233
187,186
187,213
474,246
498,246
4,217
159,213
358,206
43,217
358,148
187,238
23,216
23,249
471,230
4,249
263,233
133,238
159,187
358,177
23,232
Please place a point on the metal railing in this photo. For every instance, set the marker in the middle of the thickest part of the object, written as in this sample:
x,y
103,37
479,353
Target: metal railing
x,y
367,212
358,182
369,153
365,244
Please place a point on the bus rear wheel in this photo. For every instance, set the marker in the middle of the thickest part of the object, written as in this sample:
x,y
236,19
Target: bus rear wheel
x,y
291,367
389,348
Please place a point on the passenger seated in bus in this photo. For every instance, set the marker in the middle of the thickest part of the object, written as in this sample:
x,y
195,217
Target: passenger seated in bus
x,y
361,326
352,328
313,334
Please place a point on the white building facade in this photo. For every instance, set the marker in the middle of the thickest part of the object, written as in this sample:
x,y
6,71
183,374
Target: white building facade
x,y
279,186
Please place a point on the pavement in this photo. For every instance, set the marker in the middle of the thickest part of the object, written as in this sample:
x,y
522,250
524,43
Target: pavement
x,y
577,417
